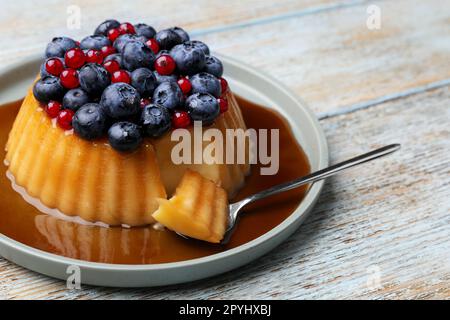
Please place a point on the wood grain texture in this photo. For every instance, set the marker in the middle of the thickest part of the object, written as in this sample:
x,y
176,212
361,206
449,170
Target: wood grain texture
x,y
393,216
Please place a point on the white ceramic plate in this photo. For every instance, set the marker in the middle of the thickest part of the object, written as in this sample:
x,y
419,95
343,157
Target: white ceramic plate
x,y
246,82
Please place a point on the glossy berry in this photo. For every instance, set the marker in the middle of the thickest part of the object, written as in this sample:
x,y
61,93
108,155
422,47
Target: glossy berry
x,y
223,104
213,66
180,119
64,119
167,39
153,44
144,81
136,54
111,66
168,95
127,27
113,34
116,57
105,26
94,42
125,136
203,107
144,30
89,122
107,50
165,65
54,66
155,120
69,78
94,79
183,34
185,85
74,58
58,47
188,58
120,100
121,76
48,88
223,85
74,99
43,70
94,56
53,108
206,83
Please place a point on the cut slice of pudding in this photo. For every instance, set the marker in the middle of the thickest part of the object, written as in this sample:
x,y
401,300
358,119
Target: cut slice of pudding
x,y
199,209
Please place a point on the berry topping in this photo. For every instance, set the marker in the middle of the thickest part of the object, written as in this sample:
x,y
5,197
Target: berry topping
x,y
94,79
223,104
120,100
155,120
59,46
121,76
213,66
167,39
127,27
202,107
116,57
185,85
111,66
205,83
74,99
113,34
202,46
105,26
53,108
161,79
165,65
189,58
125,136
144,30
180,119
94,56
223,86
94,42
43,70
89,121
64,119
144,81
169,95
74,58
153,44
183,34
69,78
107,50
136,54
54,66
48,88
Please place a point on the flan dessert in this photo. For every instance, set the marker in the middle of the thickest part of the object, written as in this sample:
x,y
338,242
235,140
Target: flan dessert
x,y
94,136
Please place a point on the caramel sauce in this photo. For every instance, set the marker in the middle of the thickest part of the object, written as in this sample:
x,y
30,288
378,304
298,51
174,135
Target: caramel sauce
x,y
145,245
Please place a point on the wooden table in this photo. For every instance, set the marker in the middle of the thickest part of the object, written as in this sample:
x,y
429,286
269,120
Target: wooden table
x,y
388,221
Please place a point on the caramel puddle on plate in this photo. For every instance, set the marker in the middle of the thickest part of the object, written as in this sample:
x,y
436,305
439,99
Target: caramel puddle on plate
x,y
145,245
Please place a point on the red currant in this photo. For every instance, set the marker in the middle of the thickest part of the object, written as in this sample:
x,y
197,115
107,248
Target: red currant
x,y
113,34
165,65
64,119
126,27
69,78
74,58
145,101
180,119
185,85
224,85
107,50
54,66
53,108
94,56
121,76
223,104
153,44
111,66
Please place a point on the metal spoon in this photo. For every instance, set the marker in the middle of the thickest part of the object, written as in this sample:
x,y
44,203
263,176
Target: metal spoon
x,y
235,208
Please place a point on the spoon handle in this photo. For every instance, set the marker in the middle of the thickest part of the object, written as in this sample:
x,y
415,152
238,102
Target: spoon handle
x,y
322,174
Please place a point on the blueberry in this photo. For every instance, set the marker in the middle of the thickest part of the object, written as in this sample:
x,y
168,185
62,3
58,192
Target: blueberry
x,y
43,71
89,122
160,78
145,30
120,100
48,88
169,95
125,136
74,99
214,66
202,107
183,34
93,79
205,83
135,55
167,39
155,120
201,45
189,58
122,40
58,47
116,57
94,42
105,26
144,81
